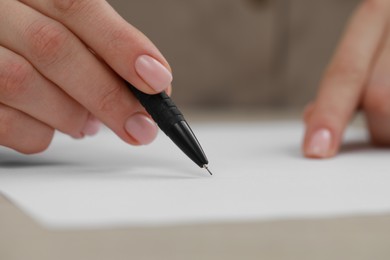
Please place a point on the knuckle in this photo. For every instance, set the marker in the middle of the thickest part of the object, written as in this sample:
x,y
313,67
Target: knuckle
x,y
120,37
376,101
117,38
47,41
69,7
14,76
110,98
344,71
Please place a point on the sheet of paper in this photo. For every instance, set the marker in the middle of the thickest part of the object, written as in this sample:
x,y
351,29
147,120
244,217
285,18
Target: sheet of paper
x,y
259,174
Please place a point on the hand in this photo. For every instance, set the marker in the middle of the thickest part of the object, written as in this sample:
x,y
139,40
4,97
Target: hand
x,y
61,63
358,77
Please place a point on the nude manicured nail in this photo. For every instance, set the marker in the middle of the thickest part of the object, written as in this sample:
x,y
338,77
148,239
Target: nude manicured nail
x,y
141,128
92,126
78,136
320,144
153,73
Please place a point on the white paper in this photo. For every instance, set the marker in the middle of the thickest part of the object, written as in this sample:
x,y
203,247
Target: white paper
x,y
259,174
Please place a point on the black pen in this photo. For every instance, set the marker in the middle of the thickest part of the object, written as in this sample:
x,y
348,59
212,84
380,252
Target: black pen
x,y
171,121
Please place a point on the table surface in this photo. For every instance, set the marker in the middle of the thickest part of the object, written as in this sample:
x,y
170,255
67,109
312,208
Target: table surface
x,y
355,237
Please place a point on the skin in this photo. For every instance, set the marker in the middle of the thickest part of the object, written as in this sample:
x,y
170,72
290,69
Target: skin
x,y
61,64
357,78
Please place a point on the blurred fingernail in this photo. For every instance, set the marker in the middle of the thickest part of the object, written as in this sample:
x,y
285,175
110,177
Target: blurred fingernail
x,y
153,73
78,136
92,126
141,128
319,145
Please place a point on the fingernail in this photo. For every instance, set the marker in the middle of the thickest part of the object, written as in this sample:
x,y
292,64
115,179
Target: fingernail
x,y
141,128
153,73
92,126
78,136
320,143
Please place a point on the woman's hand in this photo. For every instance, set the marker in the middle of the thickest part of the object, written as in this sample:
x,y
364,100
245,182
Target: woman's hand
x,y
358,77
61,63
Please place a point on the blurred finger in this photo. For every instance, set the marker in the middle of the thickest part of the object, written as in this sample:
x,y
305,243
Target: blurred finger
x,y
23,133
342,85
129,52
376,102
307,112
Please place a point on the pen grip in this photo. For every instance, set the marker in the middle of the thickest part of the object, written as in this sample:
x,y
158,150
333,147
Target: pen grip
x,y
160,107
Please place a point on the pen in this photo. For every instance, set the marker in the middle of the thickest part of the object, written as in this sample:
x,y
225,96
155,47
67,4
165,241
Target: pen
x,y
171,121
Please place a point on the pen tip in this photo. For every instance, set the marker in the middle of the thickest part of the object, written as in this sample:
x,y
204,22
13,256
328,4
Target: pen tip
x,y
207,168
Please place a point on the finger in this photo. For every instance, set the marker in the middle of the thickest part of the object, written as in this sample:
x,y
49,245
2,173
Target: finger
x,y
62,58
342,85
23,133
307,112
129,52
376,99
24,89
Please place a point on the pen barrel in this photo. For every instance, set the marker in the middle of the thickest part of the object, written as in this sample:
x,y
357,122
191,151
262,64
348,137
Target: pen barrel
x,y
171,121
160,107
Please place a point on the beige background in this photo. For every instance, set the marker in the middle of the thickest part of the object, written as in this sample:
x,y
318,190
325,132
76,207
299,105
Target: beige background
x,y
242,53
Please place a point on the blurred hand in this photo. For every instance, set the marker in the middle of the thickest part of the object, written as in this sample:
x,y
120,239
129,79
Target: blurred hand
x,y
59,67
358,77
